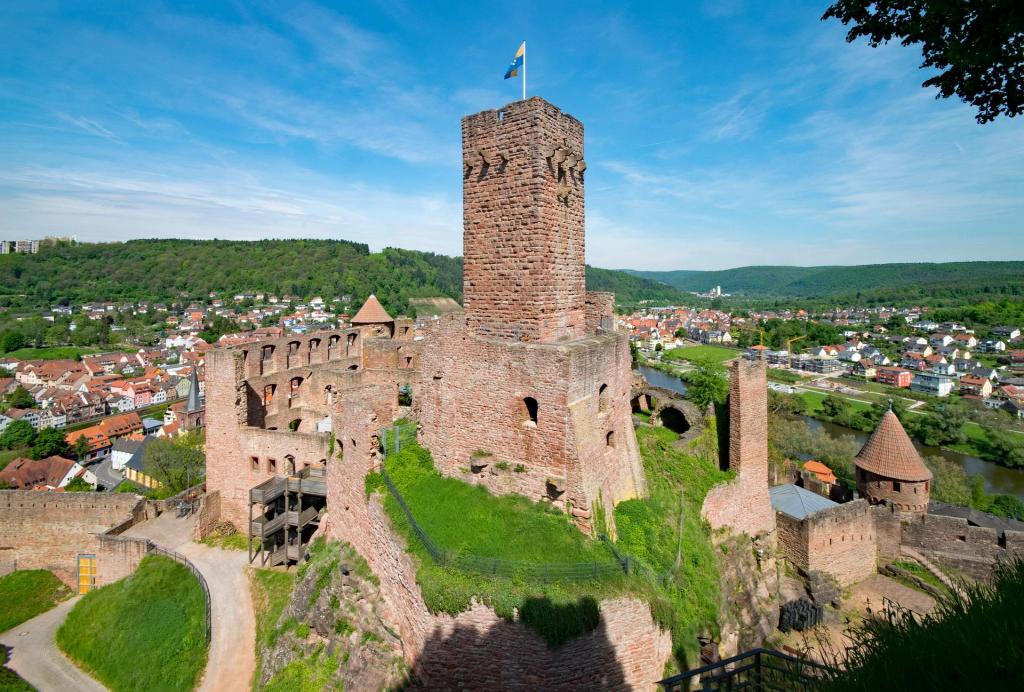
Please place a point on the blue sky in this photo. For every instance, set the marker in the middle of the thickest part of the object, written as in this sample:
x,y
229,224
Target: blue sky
x,y
719,134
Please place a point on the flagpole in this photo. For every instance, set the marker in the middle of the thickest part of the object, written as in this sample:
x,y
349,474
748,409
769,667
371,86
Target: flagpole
x,y
524,70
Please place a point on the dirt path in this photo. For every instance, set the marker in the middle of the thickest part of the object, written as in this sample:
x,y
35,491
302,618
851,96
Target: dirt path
x,y
232,658
35,656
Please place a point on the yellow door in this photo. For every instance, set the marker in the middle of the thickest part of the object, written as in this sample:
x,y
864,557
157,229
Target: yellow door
x,y
86,573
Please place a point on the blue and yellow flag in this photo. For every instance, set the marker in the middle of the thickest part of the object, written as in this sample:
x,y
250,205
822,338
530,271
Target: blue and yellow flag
x,y
517,62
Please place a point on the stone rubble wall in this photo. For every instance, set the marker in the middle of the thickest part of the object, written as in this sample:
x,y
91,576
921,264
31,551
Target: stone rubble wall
x,y
839,541
953,544
48,530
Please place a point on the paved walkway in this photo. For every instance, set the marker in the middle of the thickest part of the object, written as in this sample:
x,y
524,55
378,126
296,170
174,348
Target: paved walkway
x,y
35,656
233,643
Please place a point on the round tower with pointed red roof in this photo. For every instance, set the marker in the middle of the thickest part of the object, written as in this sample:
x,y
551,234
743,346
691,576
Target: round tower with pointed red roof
x,y
890,471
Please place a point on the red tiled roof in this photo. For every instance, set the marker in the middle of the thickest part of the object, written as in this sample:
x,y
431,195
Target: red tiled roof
x,y
29,473
372,312
823,472
890,453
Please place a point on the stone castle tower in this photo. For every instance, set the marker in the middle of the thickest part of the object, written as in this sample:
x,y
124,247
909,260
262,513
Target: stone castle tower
x,y
527,391
890,471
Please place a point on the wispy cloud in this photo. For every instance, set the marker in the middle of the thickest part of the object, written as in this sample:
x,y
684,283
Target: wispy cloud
x,y
90,126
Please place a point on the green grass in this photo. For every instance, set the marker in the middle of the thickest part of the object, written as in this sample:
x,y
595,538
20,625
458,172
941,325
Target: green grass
x,y
813,402
972,643
921,573
271,591
232,541
9,680
786,376
716,354
27,593
463,517
9,455
648,529
51,353
144,632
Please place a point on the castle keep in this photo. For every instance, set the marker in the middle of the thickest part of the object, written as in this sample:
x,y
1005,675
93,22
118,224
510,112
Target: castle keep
x,y
528,390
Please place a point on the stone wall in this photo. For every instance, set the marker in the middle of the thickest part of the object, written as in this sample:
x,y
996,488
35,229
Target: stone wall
x,y
523,215
952,543
473,402
118,556
476,649
743,504
905,496
47,530
839,541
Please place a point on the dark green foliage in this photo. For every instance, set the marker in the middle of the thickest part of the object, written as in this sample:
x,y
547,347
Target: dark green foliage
x,y
706,384
630,290
27,593
17,434
145,632
9,680
49,442
20,398
77,485
11,341
967,643
976,48
177,464
217,327
873,284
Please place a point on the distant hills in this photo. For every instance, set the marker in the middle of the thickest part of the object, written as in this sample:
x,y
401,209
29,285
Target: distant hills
x,y
881,282
170,271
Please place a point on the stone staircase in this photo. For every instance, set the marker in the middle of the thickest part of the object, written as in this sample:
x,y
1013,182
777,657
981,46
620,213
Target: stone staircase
x,y
952,584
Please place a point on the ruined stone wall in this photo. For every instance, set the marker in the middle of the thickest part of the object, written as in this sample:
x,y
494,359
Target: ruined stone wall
x,y
841,542
474,415
743,504
476,649
599,304
118,556
952,543
523,215
47,530
792,539
888,533
903,495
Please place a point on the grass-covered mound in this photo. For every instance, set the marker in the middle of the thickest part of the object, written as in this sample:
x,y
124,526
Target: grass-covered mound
x,y
271,590
972,643
684,587
144,632
701,354
467,518
27,593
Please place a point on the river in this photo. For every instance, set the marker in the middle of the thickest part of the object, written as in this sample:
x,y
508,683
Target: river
x,y
997,479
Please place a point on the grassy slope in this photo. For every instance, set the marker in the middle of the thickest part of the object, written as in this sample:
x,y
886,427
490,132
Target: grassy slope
x,y
271,591
145,632
27,593
50,353
717,354
649,530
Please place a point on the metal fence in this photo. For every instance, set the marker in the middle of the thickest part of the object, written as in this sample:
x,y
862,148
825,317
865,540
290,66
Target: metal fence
x,y
757,669
178,557
391,442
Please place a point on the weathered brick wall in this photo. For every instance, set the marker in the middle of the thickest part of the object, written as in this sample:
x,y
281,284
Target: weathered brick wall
x,y
523,243
471,400
743,504
118,556
477,649
599,304
841,541
911,497
208,515
46,530
792,539
952,543
888,533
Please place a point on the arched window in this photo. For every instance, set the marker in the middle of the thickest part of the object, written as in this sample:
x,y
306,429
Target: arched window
x,y
609,439
290,464
329,395
293,389
602,398
294,424
530,411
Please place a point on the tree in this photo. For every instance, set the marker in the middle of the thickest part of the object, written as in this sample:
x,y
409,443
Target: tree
x,y
81,448
176,465
18,434
49,442
20,398
11,341
78,485
977,47
834,407
707,384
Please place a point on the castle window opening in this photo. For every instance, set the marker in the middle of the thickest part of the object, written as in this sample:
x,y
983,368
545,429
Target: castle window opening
x,y
530,410
314,344
332,345
294,424
293,389
609,439
602,398
896,486
272,465
267,352
353,367
290,464
408,361
405,395
350,344
268,394
328,395
255,462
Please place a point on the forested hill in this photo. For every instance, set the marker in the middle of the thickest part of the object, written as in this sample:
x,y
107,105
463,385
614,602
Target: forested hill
x,y
176,270
872,282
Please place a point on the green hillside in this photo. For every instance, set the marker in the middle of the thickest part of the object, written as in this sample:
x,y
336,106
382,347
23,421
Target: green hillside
x,y
880,282
182,270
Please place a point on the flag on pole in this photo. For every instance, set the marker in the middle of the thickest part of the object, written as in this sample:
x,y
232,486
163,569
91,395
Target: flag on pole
x,y
517,62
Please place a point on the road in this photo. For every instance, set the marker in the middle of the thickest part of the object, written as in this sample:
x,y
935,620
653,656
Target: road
x,y
232,658
35,656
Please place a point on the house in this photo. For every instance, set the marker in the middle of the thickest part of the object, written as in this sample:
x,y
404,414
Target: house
x,y
894,377
865,368
986,372
914,361
135,468
99,443
1009,333
121,425
51,473
820,471
980,387
31,416
992,346
940,340
122,450
932,383
1017,357
944,368
965,340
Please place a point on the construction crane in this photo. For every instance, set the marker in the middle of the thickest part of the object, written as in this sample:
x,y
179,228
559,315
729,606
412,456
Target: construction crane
x,y
789,349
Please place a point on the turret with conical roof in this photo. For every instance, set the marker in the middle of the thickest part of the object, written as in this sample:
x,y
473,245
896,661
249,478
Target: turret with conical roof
x,y
889,469
374,317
